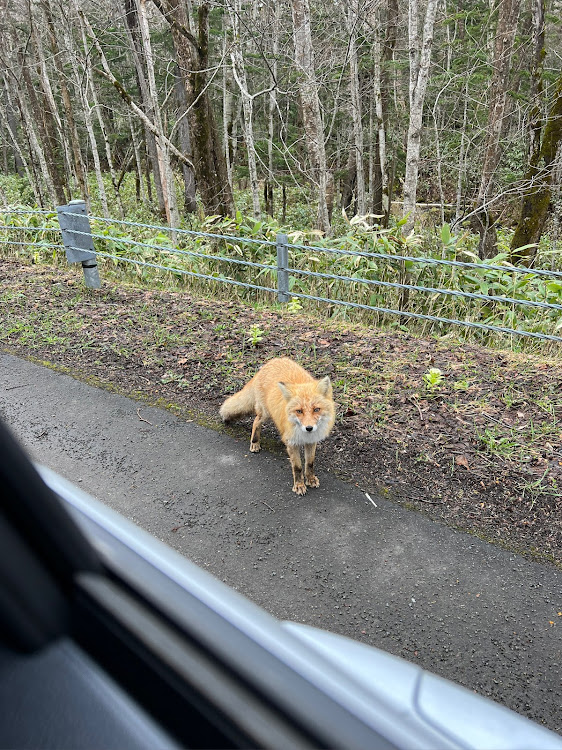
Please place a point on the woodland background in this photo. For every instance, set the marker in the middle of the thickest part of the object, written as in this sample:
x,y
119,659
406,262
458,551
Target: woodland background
x,y
292,109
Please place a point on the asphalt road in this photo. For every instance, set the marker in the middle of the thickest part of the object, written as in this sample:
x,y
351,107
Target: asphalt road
x,y
377,573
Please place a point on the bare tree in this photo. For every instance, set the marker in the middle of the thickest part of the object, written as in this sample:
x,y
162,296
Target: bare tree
x,y
132,25
58,56
192,56
483,219
420,59
239,72
383,20
310,106
352,17
162,150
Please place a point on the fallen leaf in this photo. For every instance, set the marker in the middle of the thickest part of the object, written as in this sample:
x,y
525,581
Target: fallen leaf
x,y
462,461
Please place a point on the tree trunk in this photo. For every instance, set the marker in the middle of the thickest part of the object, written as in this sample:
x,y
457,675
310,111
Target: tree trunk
x,y
132,25
192,58
310,106
163,154
56,135
383,54
36,150
272,109
20,162
379,181
536,200
420,59
43,141
239,72
81,86
190,201
352,18
101,123
140,188
227,105
348,187
462,166
483,219
79,168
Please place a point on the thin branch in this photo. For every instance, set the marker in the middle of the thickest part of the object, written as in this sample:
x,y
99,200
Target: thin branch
x,y
127,98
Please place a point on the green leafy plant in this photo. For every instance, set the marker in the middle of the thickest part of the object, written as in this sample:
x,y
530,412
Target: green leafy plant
x,y
294,305
255,335
432,379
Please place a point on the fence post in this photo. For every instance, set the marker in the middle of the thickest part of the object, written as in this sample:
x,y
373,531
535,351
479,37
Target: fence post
x,y
77,239
282,268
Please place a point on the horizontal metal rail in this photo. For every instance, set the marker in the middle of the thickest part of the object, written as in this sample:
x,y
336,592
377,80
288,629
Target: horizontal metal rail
x,y
177,251
337,277
284,268
345,303
338,251
436,290
190,232
29,229
25,211
26,244
190,273
433,318
431,261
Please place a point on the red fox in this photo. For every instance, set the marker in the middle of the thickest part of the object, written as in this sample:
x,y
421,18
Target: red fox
x,y
301,407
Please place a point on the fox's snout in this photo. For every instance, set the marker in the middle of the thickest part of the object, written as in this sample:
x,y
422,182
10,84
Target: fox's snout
x,y
309,428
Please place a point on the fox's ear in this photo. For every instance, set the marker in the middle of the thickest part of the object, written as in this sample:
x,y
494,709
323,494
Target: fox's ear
x,y
324,387
285,391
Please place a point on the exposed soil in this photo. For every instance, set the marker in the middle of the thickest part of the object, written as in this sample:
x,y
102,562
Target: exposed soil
x,y
480,451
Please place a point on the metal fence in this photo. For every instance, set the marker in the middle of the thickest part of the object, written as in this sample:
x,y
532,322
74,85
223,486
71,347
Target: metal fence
x,y
82,245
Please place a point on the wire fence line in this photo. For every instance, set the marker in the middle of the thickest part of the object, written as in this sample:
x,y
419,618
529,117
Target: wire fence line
x,y
338,277
346,303
75,228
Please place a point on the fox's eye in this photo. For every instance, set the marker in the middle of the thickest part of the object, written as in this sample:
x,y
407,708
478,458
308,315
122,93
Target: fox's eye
x,y
299,411
316,410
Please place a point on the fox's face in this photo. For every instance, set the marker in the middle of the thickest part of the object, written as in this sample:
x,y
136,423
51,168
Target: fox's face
x,y
310,409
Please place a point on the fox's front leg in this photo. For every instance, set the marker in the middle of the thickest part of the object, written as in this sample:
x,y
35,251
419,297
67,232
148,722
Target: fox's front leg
x,y
295,457
309,453
256,434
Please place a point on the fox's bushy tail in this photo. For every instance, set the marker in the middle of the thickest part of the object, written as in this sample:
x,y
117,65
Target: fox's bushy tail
x,y
239,405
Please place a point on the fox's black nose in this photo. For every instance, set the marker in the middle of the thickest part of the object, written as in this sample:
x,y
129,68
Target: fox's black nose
x,y
309,429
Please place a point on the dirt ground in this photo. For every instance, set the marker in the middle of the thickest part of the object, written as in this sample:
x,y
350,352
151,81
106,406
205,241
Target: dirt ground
x,y
479,451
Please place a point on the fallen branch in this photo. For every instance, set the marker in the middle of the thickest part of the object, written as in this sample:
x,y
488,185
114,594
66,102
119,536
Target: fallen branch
x,y
143,419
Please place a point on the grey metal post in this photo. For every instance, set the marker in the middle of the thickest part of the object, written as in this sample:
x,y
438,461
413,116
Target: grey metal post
x,y
78,242
282,268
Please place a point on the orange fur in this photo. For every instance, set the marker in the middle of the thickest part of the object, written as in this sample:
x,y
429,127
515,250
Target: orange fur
x,y
301,407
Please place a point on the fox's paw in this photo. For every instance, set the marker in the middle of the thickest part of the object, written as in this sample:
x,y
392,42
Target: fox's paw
x,y
255,447
299,488
313,481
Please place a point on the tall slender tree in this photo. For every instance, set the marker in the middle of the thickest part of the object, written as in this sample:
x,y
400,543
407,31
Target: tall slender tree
x,y
192,56
483,219
310,107
420,59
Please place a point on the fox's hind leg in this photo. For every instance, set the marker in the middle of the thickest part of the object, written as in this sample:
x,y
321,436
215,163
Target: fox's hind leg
x,y
309,477
256,433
